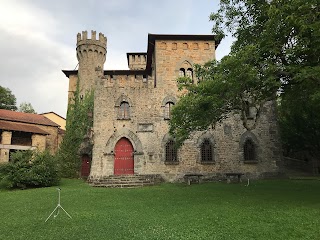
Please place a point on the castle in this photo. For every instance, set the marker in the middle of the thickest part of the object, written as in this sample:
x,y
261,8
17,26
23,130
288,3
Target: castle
x,y
132,109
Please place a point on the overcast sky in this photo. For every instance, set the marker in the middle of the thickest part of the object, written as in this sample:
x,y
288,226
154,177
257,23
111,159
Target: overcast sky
x,y
38,39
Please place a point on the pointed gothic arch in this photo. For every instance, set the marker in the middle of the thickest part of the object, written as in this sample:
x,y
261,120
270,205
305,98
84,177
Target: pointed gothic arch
x,y
206,146
249,148
124,132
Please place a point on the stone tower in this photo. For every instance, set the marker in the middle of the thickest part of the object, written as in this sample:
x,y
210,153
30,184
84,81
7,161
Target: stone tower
x,y
91,54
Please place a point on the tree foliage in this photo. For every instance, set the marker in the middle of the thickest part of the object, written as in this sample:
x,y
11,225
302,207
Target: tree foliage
x,y
26,108
7,99
277,49
77,125
299,119
29,169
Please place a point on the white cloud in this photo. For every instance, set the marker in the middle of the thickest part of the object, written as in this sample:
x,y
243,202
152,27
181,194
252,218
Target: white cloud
x,y
38,39
32,62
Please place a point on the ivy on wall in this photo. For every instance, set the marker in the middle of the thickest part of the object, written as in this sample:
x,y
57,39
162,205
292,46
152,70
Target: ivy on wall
x,y
79,122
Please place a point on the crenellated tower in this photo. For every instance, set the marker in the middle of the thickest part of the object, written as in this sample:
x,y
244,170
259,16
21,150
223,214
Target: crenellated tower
x,y
91,54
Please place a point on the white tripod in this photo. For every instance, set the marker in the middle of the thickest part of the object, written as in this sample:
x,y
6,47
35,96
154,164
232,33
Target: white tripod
x,y
58,208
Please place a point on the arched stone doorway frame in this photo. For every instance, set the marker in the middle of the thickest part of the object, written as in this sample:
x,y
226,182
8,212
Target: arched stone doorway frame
x,y
126,133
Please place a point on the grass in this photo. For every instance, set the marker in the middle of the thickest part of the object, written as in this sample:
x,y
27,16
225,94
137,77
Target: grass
x,y
273,209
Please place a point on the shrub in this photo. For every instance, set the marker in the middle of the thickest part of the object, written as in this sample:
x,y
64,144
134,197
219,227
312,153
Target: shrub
x,y
28,169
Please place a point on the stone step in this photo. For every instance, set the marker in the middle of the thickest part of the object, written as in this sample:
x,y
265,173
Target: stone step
x,y
116,185
126,181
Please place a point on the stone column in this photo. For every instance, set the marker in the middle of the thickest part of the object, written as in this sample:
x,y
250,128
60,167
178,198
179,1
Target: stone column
x,y
39,141
6,140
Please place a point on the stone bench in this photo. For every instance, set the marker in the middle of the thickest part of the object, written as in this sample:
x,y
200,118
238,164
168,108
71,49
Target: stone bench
x,y
231,176
193,177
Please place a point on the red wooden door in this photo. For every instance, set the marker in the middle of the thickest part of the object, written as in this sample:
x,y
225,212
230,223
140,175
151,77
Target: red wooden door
x,y
123,159
85,166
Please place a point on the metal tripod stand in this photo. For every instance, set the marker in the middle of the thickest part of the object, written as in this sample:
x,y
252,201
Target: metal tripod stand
x,y
57,209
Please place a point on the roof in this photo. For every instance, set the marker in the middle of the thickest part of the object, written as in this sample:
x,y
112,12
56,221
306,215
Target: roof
x,y
136,53
52,113
26,118
21,127
151,43
111,72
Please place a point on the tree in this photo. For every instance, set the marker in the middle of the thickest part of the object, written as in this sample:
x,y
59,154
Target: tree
x,y
7,99
277,49
26,108
77,125
299,120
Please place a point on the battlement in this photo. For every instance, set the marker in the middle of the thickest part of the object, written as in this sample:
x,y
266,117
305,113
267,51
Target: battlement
x,y
137,60
83,39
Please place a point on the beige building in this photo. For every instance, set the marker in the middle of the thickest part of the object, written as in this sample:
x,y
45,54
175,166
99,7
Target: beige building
x,y
26,131
132,109
61,121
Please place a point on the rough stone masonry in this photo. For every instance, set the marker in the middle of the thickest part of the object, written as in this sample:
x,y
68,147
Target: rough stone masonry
x,y
132,109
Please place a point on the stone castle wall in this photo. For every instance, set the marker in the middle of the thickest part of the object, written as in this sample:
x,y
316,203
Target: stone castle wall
x,y
147,128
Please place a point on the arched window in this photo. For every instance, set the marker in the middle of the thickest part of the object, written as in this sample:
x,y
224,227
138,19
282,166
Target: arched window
x,y
167,110
182,72
249,151
189,73
171,152
206,151
124,111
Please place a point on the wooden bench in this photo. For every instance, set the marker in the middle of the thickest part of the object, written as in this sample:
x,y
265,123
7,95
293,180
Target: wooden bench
x,y
230,176
193,177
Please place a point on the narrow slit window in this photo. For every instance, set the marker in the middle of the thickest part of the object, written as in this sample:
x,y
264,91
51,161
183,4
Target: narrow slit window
x,y
124,111
167,110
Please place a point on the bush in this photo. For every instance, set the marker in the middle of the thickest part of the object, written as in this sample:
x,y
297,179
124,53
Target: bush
x,y
28,169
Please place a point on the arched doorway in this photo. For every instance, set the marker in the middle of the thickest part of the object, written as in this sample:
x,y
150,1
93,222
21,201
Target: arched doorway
x,y
123,159
85,165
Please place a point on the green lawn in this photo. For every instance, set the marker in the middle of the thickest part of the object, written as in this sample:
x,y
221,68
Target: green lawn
x,y
273,209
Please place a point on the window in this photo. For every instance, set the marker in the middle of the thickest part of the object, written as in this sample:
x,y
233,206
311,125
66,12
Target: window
x,y
167,110
185,45
189,73
249,151
174,46
195,46
186,73
124,112
171,152
206,151
182,72
248,110
163,45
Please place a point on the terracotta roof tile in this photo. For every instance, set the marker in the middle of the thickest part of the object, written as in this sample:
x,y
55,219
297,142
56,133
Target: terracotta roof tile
x,y
22,127
26,118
